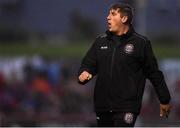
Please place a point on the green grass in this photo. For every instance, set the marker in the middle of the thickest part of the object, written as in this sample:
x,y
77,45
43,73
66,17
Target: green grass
x,y
46,50
164,51
72,50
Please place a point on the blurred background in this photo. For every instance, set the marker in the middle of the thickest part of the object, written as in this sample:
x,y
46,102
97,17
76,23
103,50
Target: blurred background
x,y
42,43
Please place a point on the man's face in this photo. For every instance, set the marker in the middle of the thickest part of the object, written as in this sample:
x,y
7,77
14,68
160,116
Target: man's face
x,y
114,20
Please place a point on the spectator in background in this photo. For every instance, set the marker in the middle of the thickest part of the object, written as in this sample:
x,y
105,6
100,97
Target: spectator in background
x,y
54,73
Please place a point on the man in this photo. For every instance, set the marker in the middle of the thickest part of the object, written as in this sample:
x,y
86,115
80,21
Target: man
x,y
122,60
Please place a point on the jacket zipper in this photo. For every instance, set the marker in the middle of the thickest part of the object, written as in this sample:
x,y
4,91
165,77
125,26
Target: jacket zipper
x,y
112,62
111,71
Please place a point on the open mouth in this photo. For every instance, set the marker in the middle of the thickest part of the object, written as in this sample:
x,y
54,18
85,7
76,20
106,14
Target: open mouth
x,y
109,24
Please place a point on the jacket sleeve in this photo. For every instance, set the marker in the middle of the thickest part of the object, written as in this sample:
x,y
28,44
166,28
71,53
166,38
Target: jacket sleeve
x,y
89,62
153,73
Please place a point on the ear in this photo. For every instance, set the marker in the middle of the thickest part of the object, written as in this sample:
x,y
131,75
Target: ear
x,y
124,19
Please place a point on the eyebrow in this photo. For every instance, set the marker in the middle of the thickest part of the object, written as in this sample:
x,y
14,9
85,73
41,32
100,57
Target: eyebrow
x,y
112,11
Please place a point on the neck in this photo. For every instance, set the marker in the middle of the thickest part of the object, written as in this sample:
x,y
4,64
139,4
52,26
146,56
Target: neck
x,y
122,30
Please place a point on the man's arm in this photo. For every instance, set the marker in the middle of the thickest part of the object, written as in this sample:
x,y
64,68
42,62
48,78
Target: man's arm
x,y
88,66
153,73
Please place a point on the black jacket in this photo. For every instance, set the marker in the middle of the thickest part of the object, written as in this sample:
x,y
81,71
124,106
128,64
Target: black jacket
x,y
122,64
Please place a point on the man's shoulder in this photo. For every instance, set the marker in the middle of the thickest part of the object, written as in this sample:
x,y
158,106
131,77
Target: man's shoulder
x,y
101,36
141,37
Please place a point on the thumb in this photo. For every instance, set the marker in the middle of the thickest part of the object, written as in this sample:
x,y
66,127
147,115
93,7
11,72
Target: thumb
x,y
161,112
89,77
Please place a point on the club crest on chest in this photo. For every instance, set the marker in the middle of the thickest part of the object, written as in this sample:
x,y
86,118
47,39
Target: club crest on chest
x,y
129,48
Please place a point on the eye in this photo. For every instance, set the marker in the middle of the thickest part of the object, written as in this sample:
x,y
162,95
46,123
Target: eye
x,y
113,13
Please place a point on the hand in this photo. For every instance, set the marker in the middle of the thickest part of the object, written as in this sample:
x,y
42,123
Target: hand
x,y
164,110
85,76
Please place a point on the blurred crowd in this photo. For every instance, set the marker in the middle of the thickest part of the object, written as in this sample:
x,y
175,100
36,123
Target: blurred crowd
x,y
39,91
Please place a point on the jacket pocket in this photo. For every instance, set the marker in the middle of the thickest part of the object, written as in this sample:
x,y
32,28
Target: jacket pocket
x,y
125,87
101,92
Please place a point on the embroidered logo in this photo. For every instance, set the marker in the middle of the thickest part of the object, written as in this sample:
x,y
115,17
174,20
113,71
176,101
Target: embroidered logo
x,y
98,118
104,47
129,48
129,118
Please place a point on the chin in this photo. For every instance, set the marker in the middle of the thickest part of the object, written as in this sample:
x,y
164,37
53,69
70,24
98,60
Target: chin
x,y
110,30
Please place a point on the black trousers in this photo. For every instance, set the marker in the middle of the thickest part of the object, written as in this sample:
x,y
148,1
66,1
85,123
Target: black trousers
x,y
116,119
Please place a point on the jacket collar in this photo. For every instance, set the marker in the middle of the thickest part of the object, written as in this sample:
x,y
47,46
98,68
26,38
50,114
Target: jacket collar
x,y
124,36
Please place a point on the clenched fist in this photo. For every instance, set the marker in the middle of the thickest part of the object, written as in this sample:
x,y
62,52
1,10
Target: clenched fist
x,y
85,76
